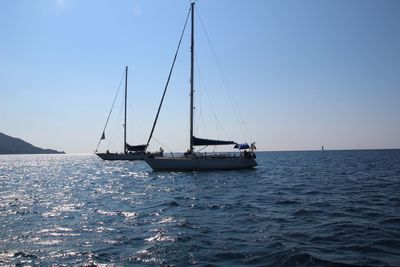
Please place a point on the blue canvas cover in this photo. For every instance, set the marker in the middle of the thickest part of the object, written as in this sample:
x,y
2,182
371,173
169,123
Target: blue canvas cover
x,y
242,146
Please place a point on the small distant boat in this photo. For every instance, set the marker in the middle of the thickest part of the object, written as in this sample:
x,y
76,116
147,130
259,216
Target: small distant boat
x,y
322,148
194,161
135,152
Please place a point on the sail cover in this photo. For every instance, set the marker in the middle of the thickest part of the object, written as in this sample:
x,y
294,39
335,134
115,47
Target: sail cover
x,y
137,148
242,146
210,142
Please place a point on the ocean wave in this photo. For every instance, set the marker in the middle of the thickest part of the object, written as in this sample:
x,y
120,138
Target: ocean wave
x,y
302,209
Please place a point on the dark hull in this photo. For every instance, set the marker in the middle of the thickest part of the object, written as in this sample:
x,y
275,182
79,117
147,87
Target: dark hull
x,y
121,156
185,164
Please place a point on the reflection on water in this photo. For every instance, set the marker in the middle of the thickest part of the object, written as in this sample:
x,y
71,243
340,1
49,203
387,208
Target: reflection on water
x,y
296,208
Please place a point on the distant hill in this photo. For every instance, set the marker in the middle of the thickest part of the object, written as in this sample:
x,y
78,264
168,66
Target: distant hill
x,y
12,145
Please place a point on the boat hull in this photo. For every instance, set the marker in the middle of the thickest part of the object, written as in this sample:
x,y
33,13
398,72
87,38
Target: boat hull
x,y
121,156
184,164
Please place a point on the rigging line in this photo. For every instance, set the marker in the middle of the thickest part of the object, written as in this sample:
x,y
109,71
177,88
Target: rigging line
x,y
201,149
112,106
225,81
136,123
162,145
169,77
218,122
115,128
200,101
118,123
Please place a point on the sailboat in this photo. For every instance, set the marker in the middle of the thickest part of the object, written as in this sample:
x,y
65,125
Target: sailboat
x,y
195,161
135,152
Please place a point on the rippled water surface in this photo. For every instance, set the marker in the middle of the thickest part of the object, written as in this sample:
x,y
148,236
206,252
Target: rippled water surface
x,y
331,208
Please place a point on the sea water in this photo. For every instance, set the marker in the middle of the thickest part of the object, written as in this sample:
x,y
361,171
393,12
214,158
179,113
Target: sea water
x,y
321,208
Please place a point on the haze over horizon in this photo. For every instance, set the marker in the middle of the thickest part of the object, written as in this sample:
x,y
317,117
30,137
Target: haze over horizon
x,y
303,73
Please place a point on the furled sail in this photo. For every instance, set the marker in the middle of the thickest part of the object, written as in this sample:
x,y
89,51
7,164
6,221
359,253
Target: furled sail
x,y
137,148
210,142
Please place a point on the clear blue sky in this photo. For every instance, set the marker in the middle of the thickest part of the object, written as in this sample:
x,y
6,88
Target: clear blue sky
x,y
304,73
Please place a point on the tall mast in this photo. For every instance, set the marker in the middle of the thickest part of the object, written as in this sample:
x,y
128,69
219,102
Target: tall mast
x,y
191,81
126,96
